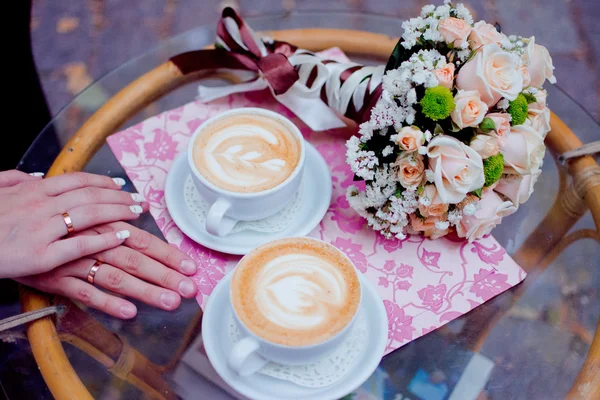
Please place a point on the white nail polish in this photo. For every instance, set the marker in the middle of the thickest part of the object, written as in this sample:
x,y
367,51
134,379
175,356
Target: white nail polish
x,y
37,174
123,235
136,209
137,197
119,181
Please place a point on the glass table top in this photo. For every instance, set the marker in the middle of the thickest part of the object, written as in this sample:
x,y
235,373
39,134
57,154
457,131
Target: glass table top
x,y
536,348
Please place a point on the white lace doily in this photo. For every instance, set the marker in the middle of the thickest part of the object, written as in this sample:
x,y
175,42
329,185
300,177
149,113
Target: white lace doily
x,y
275,223
324,372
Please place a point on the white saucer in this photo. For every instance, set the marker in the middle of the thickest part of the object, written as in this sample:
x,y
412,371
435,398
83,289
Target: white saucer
x,y
217,344
316,200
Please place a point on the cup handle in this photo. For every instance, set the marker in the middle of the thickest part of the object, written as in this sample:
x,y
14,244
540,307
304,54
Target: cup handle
x,y
243,358
216,222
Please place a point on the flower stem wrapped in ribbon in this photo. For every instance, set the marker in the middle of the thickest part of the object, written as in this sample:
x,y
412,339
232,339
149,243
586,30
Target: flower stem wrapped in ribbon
x,y
451,131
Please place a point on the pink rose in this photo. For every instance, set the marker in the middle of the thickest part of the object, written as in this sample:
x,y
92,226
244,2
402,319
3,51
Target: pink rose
x,y
540,121
540,103
485,145
494,73
410,138
445,75
469,110
539,64
427,227
457,168
502,125
454,30
436,207
523,149
411,170
484,33
491,210
517,188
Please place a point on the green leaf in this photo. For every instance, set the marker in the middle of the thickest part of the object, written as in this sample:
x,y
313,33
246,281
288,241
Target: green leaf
x,y
478,192
438,130
530,98
454,128
363,146
398,193
487,125
420,189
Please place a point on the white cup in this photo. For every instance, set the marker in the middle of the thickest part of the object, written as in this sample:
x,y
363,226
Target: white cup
x,y
230,207
252,352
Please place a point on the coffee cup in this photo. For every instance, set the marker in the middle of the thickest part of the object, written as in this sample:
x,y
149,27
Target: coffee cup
x,y
294,300
248,163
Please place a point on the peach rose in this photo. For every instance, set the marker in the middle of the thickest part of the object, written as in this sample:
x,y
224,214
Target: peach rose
x,y
445,75
485,145
539,64
427,227
411,170
502,124
491,210
410,138
457,169
517,188
454,30
484,33
526,77
469,110
523,149
540,104
494,73
540,121
436,206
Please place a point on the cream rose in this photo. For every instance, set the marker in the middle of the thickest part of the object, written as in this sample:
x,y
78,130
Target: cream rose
x,y
454,30
410,138
485,145
523,149
540,103
469,109
411,170
436,207
494,73
484,33
540,121
539,64
445,75
502,125
517,188
490,211
427,227
526,77
457,169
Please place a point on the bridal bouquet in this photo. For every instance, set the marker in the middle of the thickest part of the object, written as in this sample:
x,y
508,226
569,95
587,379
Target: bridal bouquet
x,y
452,129
456,140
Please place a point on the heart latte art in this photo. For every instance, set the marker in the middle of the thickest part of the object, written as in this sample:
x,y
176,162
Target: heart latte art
x,y
296,291
246,153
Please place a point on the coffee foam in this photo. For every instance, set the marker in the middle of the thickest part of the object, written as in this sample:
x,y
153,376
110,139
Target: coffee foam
x,y
296,291
246,153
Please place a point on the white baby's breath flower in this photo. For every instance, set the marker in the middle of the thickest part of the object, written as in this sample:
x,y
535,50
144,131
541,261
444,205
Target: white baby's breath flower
x,y
430,175
387,150
502,104
470,209
454,216
426,10
428,135
463,12
442,225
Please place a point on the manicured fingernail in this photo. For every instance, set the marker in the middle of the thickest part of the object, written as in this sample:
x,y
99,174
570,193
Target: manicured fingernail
x,y
188,267
137,197
127,311
168,299
186,287
119,181
37,174
123,235
136,209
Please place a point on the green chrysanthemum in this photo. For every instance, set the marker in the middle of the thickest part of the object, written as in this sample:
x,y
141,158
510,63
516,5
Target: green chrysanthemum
x,y
492,169
437,103
518,110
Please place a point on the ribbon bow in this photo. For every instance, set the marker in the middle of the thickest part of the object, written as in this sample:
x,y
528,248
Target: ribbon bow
x,y
313,88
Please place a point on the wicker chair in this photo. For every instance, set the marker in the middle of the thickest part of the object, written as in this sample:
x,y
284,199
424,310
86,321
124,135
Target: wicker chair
x,y
541,247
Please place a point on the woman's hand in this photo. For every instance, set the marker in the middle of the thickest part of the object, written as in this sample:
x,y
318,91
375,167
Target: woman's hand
x,y
32,227
144,268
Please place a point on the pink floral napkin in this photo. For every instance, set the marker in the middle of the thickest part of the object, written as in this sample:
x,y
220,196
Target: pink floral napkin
x,y
423,283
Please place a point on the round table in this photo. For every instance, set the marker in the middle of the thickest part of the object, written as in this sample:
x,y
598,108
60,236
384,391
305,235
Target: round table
x,y
536,335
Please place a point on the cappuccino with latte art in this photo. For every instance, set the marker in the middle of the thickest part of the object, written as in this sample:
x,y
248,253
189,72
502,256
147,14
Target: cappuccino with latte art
x,y
295,292
246,152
